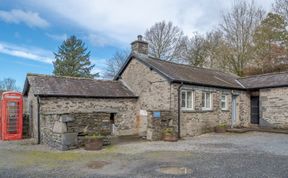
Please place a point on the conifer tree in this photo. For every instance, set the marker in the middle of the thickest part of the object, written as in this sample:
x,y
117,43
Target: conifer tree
x,y
72,59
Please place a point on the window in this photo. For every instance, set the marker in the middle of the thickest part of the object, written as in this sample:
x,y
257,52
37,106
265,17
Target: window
x,y
224,105
206,101
187,100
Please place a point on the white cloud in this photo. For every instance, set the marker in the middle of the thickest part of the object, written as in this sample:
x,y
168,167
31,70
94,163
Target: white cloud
x,y
32,19
57,37
119,22
99,40
30,53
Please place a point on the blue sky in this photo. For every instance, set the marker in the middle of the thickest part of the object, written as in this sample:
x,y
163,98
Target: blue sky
x,y
31,30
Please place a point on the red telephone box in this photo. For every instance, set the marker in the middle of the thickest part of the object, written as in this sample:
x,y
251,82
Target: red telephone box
x,y
11,116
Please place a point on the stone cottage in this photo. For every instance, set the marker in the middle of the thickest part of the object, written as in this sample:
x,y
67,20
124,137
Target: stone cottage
x,y
148,95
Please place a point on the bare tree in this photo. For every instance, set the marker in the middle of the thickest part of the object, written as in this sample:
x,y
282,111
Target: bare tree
x,y
196,51
209,51
238,26
281,7
8,84
115,63
216,49
166,41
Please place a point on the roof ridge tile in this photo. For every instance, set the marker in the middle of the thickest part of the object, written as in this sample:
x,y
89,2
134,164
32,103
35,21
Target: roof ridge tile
x,y
69,77
265,74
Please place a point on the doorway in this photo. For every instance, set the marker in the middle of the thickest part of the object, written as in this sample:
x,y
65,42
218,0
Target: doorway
x,y
255,110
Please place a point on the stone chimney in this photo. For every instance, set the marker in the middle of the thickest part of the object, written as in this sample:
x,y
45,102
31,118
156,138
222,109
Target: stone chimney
x,y
140,46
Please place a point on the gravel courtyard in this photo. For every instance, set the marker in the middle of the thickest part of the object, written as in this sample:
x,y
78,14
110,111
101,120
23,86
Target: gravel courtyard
x,y
251,154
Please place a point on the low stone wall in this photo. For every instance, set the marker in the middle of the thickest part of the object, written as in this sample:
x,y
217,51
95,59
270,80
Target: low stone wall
x,y
274,108
67,131
157,124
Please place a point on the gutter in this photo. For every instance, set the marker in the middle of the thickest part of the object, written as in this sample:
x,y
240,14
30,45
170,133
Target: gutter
x,y
38,120
179,110
86,96
207,85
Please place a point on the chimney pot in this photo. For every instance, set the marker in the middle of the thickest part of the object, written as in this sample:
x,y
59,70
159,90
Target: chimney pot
x,y
139,37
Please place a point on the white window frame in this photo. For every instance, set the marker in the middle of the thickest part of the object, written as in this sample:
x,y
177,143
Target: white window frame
x,y
224,101
205,108
185,108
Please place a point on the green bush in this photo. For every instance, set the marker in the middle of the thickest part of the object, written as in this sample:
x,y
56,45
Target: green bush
x,y
95,136
223,125
169,131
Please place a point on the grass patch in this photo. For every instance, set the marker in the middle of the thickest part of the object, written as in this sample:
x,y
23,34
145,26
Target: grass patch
x,y
46,159
166,154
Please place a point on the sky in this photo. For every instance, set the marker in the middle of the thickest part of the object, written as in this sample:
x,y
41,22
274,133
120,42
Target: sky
x,y
31,30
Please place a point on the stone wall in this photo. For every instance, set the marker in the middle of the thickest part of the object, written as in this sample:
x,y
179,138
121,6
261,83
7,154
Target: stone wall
x,y
243,109
157,124
32,110
274,107
153,90
199,121
65,120
67,131
124,109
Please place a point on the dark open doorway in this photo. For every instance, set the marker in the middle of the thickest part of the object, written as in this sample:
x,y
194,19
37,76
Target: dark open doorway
x,y
254,109
112,118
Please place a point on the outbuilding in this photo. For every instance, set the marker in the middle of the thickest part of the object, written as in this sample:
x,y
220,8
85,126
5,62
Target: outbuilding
x,y
61,109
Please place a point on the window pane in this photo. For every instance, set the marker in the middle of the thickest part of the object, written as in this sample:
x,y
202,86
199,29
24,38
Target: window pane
x,y
223,98
223,105
223,102
183,96
189,99
208,99
203,100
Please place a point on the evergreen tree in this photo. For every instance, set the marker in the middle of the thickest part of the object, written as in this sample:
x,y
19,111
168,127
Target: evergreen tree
x,y
72,59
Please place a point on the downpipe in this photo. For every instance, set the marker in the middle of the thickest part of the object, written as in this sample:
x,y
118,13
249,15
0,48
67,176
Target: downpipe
x,y
179,110
38,120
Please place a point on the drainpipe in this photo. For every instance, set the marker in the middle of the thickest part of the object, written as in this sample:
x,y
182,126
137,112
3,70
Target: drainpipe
x,y
38,120
179,110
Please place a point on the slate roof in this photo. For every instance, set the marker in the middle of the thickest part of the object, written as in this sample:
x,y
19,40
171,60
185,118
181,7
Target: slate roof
x,y
45,85
265,80
187,74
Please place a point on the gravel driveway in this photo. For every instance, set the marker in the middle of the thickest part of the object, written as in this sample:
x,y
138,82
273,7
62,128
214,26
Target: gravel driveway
x,y
251,154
